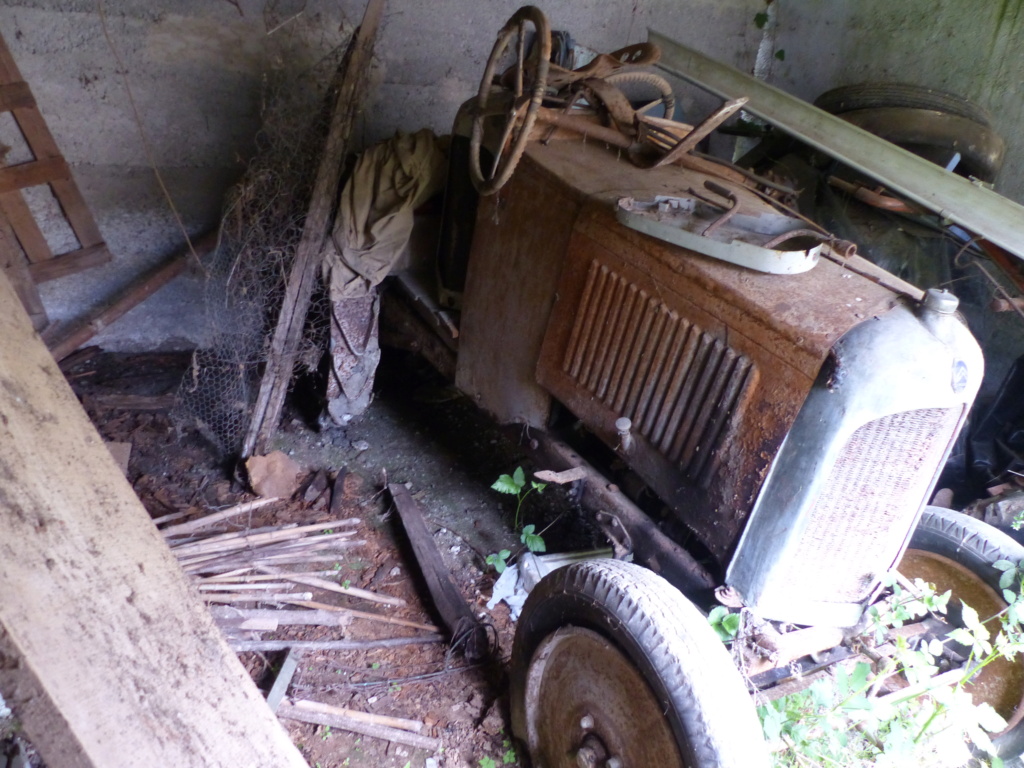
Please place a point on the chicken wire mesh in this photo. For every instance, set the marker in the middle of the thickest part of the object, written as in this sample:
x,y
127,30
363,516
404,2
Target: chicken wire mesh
x,y
245,276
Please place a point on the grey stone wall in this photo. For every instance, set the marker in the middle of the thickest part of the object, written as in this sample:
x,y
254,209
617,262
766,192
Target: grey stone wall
x,y
196,69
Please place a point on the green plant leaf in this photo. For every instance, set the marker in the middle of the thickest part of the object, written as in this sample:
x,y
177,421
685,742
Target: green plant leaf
x,y
760,19
731,624
505,484
533,541
538,487
725,623
716,614
1004,565
499,560
970,617
988,718
859,678
780,54
519,477
509,757
771,723
487,762
1007,579
962,636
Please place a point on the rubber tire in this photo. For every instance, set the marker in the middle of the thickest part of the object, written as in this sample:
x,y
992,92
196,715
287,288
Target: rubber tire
x,y
848,98
666,638
975,545
935,136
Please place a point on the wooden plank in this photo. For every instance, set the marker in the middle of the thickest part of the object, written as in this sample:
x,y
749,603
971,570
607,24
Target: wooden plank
x,y
138,291
69,263
465,631
330,645
308,254
15,96
8,68
284,679
402,723
135,402
291,712
15,265
31,238
44,147
110,658
33,173
238,509
77,212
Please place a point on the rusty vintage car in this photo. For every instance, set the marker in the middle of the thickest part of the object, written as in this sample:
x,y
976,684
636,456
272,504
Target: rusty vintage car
x,y
790,404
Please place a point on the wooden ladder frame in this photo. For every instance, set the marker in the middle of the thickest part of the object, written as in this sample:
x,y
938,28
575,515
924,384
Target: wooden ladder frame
x,y
25,255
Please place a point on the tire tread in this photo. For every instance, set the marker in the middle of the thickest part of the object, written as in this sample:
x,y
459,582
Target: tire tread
x,y
848,98
641,609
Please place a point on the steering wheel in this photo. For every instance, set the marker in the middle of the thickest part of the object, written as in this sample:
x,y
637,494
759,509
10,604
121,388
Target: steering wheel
x,y
527,82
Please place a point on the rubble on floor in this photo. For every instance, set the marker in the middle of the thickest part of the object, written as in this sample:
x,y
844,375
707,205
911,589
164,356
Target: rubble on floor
x,y
322,581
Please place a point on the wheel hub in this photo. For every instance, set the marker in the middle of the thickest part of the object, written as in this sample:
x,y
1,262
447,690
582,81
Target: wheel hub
x,y
587,706
1001,683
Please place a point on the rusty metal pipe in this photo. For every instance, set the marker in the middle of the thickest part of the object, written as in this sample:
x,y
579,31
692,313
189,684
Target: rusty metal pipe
x,y
872,198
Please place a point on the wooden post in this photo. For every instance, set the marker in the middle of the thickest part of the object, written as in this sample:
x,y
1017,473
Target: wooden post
x,y
308,254
107,656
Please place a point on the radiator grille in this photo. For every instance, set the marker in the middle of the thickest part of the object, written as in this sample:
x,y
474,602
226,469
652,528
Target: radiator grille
x,y
676,382
859,521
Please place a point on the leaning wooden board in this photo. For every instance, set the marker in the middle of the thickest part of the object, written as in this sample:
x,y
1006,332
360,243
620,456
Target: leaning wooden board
x,y
107,655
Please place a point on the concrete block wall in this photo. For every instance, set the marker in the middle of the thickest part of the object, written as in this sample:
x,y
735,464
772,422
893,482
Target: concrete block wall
x,y
196,68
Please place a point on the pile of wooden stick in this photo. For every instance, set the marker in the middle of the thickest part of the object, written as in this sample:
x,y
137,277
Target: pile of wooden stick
x,y
252,566
236,568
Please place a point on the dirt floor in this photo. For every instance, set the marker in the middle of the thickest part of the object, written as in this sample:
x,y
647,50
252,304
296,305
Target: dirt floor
x,y
418,432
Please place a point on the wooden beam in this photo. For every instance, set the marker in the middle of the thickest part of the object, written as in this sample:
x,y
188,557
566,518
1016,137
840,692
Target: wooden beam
x,y
291,712
31,238
144,287
14,264
69,263
15,96
33,173
465,631
309,252
107,656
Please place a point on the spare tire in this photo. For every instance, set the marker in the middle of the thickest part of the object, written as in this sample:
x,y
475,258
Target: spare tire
x,y
935,136
932,124
848,98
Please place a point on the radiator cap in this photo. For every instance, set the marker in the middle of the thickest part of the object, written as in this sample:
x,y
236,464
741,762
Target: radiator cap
x,y
939,300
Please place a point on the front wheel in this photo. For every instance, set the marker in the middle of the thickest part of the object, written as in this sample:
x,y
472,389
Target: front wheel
x,y
613,666
956,552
